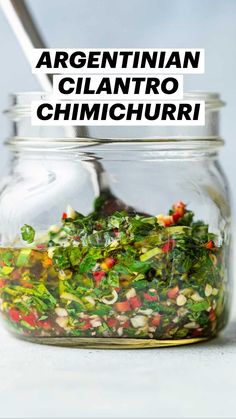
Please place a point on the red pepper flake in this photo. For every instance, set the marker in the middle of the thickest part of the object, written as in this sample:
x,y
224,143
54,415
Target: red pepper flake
x,y
14,315
209,245
176,216
2,264
64,216
150,297
97,276
179,208
27,284
123,306
41,246
126,324
168,220
135,302
110,262
169,245
156,320
111,322
212,315
196,333
173,292
86,325
2,283
76,238
45,324
30,319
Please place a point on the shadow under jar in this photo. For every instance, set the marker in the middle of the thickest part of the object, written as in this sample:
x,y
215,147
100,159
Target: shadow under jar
x,y
115,242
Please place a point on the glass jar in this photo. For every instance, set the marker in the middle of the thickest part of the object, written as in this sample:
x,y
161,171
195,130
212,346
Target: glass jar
x,y
115,242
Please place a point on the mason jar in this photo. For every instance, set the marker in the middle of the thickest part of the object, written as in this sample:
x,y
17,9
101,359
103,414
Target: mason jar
x,y
116,242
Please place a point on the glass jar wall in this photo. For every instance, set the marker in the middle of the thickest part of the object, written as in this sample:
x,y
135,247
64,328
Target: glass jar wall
x,y
119,242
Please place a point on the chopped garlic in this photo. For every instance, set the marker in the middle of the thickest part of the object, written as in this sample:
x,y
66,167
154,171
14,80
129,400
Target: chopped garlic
x,y
70,212
147,311
191,325
54,229
62,322
50,252
61,312
151,329
139,321
131,293
196,297
181,300
120,331
96,322
122,318
208,290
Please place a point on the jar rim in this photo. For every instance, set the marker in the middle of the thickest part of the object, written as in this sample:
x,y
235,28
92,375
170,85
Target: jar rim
x,y
152,143
20,112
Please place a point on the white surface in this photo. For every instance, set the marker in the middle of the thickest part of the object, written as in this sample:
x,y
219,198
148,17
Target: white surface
x,y
197,381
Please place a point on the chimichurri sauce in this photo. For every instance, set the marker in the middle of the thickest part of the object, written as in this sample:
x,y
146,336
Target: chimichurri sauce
x,y
123,275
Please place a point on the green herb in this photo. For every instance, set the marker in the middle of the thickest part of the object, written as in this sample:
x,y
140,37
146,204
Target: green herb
x,y
27,233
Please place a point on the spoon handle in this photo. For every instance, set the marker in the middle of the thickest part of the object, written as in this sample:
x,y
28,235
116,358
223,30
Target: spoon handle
x,y
26,31
29,37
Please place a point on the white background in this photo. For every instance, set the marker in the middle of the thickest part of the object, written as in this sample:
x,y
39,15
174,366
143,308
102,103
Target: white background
x,y
209,24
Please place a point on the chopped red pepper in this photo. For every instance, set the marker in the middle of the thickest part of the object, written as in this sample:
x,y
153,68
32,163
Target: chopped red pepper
x,y
123,306
150,297
135,302
111,322
126,324
87,325
27,285
168,220
110,262
210,245
168,246
30,319
173,292
64,216
2,263
212,315
76,238
176,216
156,320
2,283
196,333
179,208
97,276
45,324
14,315
41,246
